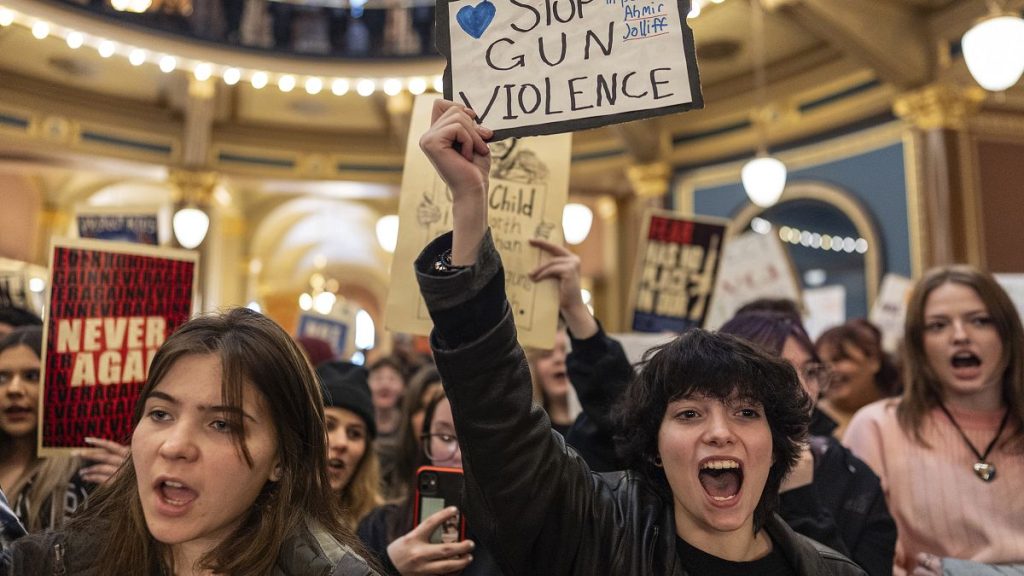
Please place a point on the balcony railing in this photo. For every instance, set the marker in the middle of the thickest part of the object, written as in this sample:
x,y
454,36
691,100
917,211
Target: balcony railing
x,y
326,28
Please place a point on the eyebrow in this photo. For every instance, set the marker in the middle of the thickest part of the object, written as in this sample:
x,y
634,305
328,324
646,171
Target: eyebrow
x,y
202,407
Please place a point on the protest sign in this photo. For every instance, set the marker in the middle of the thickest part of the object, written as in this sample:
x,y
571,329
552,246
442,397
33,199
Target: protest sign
x,y
16,283
111,306
824,307
753,266
140,226
531,67
677,259
889,310
1014,286
529,185
336,328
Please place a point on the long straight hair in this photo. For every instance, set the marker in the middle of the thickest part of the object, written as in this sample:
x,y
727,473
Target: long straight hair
x,y
923,389
49,477
362,494
255,350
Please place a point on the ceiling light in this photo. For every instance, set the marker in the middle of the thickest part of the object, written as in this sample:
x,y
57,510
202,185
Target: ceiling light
x,y
365,87
137,56
994,51
324,302
387,232
259,80
36,284
106,48
392,86
286,83
760,225
305,301
40,29
6,17
75,40
232,76
417,86
168,63
314,85
439,84
576,222
339,87
190,226
203,71
764,179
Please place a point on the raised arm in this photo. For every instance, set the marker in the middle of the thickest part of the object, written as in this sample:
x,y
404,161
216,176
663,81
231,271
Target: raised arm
x,y
529,498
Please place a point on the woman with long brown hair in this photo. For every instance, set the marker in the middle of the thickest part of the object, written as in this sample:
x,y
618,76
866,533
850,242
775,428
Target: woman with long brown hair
x,y
227,472
949,451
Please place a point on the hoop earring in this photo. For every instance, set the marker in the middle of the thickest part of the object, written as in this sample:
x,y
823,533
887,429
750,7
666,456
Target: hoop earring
x,y
657,461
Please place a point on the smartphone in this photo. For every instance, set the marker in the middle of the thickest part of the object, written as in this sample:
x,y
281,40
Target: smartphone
x,y
436,489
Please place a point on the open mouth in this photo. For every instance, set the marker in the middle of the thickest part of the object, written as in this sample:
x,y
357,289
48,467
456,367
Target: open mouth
x,y
176,493
721,478
18,410
336,464
965,360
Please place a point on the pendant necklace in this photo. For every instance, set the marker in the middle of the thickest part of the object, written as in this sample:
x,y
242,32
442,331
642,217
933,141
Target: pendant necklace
x,y
984,469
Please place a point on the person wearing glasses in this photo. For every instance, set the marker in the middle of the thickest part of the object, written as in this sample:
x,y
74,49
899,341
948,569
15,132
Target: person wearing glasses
x,y
831,495
406,550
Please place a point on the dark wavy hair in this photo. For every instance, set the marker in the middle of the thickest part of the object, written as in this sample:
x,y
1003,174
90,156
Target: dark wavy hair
x,y
718,366
866,337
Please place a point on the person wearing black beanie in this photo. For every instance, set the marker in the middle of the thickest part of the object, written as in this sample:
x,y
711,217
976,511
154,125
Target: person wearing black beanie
x,y
353,469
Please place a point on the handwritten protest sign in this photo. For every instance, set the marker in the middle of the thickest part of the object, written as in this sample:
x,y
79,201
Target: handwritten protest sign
x,y
889,311
677,259
111,306
753,266
531,67
138,226
336,328
529,185
824,307
16,285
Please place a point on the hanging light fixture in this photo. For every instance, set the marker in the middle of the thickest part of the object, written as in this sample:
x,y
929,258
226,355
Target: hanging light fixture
x,y
191,222
994,49
387,232
576,222
764,177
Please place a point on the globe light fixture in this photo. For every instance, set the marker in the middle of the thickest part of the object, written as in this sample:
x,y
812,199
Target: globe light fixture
x,y
764,179
387,232
190,226
994,51
576,222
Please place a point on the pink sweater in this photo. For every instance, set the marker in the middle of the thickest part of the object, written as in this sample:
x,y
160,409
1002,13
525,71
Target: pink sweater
x,y
939,504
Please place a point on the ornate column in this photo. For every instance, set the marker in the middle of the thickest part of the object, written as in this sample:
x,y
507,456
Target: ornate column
x,y
650,183
944,205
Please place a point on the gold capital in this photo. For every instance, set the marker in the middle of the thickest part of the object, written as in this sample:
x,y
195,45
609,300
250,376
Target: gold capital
x,y
939,106
650,180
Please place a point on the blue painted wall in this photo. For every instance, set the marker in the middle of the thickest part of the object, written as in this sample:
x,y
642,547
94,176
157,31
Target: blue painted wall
x,y
877,179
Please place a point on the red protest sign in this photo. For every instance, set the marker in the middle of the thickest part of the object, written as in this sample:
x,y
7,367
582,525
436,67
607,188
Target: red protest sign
x,y
110,307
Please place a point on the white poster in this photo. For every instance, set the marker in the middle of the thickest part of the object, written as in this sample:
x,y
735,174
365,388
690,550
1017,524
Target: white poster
x,y
1014,286
890,310
824,308
531,67
753,266
529,186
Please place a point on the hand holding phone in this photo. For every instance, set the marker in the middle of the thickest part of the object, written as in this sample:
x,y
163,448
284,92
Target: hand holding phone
x,y
437,488
415,555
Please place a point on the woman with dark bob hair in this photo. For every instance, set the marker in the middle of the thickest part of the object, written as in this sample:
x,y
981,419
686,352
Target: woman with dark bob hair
x,y
713,425
227,472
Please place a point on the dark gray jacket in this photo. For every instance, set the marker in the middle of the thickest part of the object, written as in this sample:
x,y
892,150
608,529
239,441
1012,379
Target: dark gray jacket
x,y
531,499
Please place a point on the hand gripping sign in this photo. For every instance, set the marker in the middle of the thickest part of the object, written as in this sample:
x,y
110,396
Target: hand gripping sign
x,y
532,67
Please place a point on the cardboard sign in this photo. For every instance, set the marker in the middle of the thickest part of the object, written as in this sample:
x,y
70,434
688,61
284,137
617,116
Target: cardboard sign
x,y
753,266
140,228
111,306
889,311
529,186
337,329
677,259
531,67
16,285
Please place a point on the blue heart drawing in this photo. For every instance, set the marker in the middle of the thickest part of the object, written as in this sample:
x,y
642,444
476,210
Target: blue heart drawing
x,y
475,19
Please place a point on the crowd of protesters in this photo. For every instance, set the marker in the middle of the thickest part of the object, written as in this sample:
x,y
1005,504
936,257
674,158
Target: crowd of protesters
x,y
747,450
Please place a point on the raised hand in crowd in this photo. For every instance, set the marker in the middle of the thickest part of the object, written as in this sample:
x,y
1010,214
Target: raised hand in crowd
x,y
413,554
106,457
564,266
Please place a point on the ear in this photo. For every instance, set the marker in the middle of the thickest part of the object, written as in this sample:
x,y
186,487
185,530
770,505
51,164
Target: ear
x,y
874,364
277,472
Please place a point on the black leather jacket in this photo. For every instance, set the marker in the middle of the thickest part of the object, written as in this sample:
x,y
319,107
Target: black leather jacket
x,y
532,500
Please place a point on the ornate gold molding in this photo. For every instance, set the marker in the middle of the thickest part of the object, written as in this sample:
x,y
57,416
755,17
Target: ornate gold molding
x,y
650,180
193,186
939,106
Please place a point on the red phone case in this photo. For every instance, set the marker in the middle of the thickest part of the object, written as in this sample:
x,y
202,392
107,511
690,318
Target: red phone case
x,y
449,488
